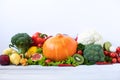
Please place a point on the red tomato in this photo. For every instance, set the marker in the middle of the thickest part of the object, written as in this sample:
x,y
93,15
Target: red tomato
x,y
79,52
118,59
114,60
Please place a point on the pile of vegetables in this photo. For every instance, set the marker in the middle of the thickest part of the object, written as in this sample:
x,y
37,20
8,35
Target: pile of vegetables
x,y
60,50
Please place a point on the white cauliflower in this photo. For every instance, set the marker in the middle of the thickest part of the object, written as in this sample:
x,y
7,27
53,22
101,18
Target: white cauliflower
x,y
90,37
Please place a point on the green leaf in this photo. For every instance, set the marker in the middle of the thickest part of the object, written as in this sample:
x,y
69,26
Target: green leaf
x,y
39,50
80,47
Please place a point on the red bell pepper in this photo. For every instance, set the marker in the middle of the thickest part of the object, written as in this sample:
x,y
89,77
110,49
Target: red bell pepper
x,y
38,39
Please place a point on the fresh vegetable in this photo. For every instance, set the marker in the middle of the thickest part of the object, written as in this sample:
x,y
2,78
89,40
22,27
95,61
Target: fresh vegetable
x,y
113,54
55,63
118,59
114,60
59,47
38,39
9,51
80,46
32,50
4,60
48,61
106,53
15,58
80,52
60,50
90,37
29,61
70,61
39,50
108,59
21,41
118,49
93,53
42,61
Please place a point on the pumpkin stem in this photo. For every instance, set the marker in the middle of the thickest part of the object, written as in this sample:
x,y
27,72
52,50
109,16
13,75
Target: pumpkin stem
x,y
59,35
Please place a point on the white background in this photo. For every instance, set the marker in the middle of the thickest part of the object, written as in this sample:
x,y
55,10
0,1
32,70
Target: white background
x,y
61,16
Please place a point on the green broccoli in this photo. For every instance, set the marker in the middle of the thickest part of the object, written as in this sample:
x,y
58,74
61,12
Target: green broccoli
x,y
21,41
93,53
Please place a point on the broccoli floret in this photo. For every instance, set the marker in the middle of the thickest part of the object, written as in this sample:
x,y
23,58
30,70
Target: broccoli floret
x,y
94,53
21,41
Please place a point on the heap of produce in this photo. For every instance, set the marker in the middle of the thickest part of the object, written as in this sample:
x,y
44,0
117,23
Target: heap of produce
x,y
60,50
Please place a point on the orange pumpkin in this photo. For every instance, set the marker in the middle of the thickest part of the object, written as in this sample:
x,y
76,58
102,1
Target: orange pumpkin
x,y
59,47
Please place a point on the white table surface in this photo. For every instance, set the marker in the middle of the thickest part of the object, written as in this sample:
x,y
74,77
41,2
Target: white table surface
x,y
82,72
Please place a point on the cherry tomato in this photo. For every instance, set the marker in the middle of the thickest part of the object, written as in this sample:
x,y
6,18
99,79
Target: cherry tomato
x,y
113,54
118,59
106,53
79,52
47,61
114,60
118,49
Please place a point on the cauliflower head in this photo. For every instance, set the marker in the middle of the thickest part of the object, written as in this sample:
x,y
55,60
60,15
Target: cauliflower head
x,y
90,37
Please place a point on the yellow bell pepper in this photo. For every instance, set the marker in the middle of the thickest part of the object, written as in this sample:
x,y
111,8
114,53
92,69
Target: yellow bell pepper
x,y
32,50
